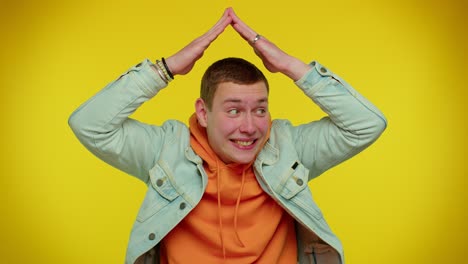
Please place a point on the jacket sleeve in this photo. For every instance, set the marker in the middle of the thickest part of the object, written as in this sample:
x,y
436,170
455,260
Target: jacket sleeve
x,y
352,124
103,126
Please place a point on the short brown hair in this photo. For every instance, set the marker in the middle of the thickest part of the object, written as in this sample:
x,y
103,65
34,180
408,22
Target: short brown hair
x,y
236,70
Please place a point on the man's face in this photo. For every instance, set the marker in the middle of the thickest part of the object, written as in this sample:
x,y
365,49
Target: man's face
x,y
238,122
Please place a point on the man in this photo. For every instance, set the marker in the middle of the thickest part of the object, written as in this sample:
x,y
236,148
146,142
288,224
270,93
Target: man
x,y
231,187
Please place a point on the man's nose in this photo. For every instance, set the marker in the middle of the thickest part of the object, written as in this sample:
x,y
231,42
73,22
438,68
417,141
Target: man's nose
x,y
247,124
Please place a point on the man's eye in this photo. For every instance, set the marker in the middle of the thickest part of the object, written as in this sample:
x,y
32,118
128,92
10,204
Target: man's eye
x,y
233,111
261,111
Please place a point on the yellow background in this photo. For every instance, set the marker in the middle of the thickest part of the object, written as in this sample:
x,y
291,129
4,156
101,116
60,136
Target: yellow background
x,y
401,201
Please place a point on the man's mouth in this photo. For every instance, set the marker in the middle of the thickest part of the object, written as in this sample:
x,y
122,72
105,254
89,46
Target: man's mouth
x,y
244,143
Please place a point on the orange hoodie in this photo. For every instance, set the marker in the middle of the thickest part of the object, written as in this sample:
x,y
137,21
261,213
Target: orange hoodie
x,y
235,221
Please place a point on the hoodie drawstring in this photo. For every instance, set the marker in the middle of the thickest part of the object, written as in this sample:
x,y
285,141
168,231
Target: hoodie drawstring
x,y
237,208
219,210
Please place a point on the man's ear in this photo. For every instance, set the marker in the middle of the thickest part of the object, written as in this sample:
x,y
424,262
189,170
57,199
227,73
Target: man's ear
x,y
202,112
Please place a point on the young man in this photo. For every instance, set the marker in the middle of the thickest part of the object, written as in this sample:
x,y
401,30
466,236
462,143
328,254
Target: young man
x,y
231,187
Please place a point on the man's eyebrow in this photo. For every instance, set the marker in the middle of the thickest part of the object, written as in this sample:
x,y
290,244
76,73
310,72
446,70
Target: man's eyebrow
x,y
235,100
232,100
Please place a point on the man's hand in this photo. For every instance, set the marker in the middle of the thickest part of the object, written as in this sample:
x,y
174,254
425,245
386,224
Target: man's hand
x,y
274,59
184,60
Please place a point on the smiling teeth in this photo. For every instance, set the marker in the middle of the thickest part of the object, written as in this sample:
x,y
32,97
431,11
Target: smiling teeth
x,y
244,143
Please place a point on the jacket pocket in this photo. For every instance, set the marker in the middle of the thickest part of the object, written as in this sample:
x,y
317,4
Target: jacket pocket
x,y
160,193
294,188
294,181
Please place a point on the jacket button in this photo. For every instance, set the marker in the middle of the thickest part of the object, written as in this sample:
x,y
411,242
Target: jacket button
x,y
182,206
312,64
159,182
323,70
152,236
299,182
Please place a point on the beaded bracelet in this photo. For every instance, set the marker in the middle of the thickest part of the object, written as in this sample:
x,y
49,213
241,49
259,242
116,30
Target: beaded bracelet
x,y
161,74
163,69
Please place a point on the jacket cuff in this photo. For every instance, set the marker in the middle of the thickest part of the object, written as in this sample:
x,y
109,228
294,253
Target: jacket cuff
x,y
150,82
317,73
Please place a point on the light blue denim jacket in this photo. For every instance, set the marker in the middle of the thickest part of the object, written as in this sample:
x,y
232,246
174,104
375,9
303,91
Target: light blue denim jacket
x,y
161,156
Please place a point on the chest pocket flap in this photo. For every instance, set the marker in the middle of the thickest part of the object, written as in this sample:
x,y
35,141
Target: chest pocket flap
x,y
293,181
160,193
162,182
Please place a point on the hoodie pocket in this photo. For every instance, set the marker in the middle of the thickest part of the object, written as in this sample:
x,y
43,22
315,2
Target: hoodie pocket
x,y
160,193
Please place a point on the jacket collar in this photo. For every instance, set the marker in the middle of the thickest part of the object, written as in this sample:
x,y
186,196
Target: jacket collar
x,y
269,154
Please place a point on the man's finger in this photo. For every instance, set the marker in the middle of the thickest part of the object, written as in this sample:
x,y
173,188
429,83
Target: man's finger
x,y
219,27
245,31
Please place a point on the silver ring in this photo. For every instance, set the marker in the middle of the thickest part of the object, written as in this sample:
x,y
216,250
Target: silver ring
x,y
257,37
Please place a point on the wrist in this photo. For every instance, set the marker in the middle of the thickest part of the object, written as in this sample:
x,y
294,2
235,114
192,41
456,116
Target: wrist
x,y
170,65
296,69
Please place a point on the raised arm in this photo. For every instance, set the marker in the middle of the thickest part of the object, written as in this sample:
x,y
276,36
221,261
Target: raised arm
x,y
352,122
102,123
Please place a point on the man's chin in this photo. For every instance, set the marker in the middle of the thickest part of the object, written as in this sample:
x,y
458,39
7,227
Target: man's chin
x,y
244,160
